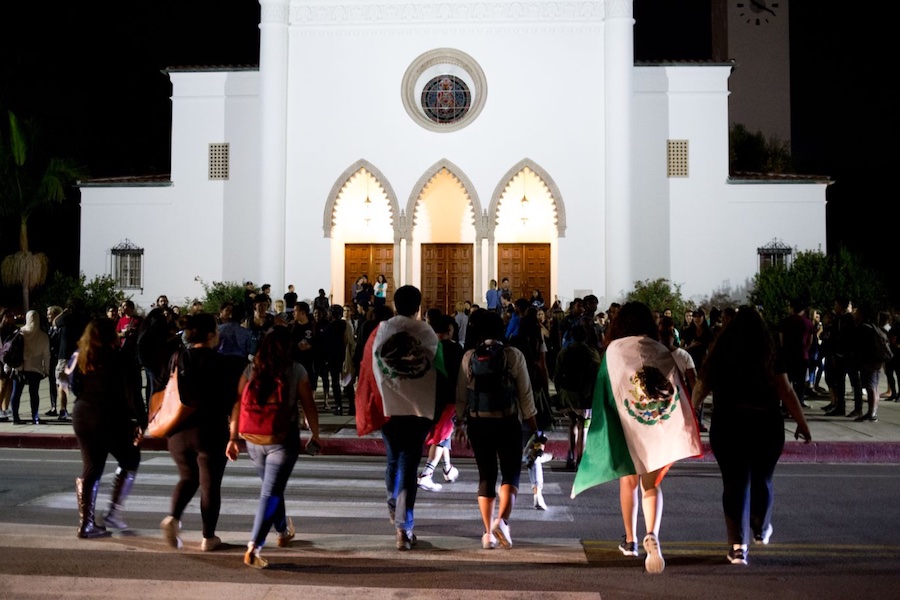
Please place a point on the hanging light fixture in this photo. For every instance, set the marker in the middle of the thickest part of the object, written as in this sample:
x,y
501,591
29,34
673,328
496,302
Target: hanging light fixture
x,y
367,203
524,201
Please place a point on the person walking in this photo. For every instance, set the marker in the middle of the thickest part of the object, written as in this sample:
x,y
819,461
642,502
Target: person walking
x,y
197,445
749,385
493,399
397,393
105,418
641,422
273,389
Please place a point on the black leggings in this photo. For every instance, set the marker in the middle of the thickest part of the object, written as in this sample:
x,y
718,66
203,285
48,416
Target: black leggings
x,y
201,464
494,439
100,435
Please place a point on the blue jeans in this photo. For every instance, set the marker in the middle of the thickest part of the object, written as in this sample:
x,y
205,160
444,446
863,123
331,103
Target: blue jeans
x,y
274,464
404,437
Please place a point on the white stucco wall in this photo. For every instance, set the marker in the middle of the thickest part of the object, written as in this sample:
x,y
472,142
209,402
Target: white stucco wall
x,y
531,111
545,103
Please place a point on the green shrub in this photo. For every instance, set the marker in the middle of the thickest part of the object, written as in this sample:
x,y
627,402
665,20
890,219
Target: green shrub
x,y
218,292
97,294
660,294
817,279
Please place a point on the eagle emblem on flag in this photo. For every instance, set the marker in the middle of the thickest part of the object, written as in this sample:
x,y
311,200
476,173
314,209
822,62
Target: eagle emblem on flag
x,y
652,397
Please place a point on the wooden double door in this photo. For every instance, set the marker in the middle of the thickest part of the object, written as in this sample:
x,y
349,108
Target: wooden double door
x,y
447,276
528,268
371,260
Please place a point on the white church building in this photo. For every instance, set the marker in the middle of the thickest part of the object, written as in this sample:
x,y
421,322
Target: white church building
x,y
444,145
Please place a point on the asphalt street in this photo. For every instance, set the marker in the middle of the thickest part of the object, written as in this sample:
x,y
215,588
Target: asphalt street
x,y
835,537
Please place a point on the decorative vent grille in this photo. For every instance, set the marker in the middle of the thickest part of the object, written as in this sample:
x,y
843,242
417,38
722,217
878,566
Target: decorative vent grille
x,y
218,161
677,158
128,266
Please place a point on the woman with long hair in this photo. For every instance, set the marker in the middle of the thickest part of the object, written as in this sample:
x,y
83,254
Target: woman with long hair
x,y
749,385
641,423
106,421
197,445
495,435
273,388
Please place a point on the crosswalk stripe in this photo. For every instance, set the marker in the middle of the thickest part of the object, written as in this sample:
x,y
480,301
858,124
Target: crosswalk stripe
x,y
305,546
21,586
316,508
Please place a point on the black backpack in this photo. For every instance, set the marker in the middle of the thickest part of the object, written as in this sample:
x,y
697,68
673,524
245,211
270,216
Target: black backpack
x,y
12,351
495,389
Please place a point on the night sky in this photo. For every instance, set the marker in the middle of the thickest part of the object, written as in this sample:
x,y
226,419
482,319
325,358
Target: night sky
x,y
90,73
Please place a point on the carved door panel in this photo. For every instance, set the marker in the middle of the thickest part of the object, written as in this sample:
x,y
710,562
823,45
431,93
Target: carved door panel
x,y
528,267
371,259
446,275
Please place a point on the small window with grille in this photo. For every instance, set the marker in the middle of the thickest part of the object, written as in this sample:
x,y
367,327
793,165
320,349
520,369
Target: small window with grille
x,y
218,161
774,254
128,266
677,151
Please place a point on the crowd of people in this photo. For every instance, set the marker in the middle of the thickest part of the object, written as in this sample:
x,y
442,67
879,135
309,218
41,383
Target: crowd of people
x,y
426,380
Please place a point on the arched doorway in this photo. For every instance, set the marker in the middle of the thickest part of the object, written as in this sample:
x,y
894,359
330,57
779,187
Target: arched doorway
x,y
444,235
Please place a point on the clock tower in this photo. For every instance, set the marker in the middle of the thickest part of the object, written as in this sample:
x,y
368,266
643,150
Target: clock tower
x,y
760,86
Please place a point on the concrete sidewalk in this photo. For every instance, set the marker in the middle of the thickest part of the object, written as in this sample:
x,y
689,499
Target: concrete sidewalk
x,y
835,439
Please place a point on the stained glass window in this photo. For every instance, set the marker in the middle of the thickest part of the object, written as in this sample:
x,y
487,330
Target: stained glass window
x,y
446,99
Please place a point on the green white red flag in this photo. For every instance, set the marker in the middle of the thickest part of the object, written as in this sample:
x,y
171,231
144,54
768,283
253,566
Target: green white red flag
x,y
642,419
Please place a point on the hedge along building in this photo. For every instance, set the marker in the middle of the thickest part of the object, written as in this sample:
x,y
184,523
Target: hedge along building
x,y
444,145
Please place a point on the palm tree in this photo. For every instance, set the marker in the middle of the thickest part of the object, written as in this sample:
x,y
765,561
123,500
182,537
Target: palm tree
x,y
26,184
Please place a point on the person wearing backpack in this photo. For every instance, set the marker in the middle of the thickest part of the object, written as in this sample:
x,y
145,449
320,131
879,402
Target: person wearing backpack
x,y
272,390
197,444
492,394
34,364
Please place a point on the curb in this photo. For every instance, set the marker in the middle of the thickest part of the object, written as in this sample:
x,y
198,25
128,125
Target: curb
x,y
794,452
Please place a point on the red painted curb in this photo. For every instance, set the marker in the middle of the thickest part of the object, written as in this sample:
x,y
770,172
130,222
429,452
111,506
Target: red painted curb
x,y
796,452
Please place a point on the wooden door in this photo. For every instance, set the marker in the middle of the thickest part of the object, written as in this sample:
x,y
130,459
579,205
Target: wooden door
x,y
528,267
446,276
371,260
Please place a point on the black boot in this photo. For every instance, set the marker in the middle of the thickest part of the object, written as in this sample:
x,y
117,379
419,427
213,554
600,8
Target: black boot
x,y
115,516
87,499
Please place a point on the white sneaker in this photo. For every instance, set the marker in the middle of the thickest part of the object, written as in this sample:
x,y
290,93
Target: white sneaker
x,y
654,563
764,536
427,483
488,541
545,457
171,528
500,529
539,503
451,475
211,543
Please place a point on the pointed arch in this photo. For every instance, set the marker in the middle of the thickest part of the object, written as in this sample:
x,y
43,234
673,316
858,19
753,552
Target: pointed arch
x,y
544,177
467,185
328,216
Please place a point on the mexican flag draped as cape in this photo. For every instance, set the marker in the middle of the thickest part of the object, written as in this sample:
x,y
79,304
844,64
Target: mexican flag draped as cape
x,y
642,419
